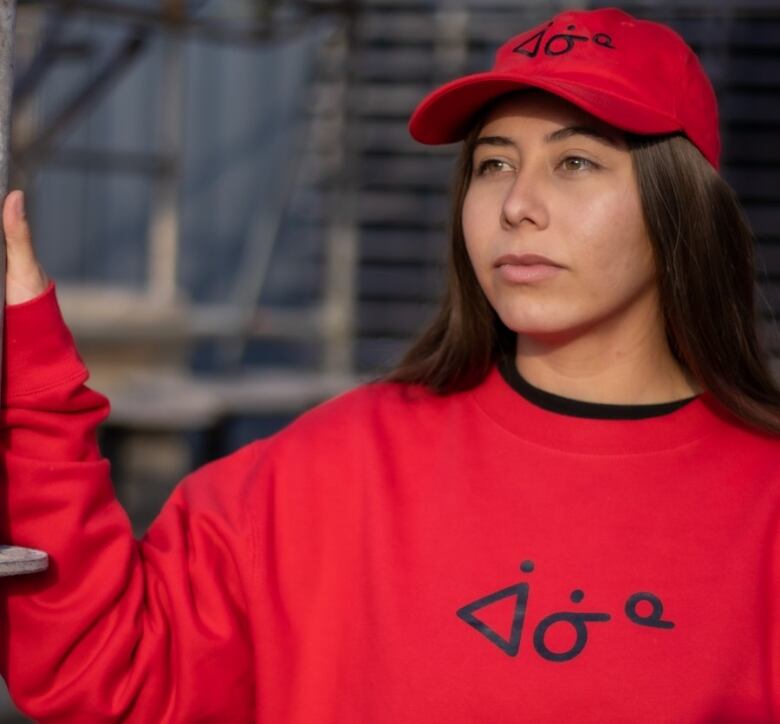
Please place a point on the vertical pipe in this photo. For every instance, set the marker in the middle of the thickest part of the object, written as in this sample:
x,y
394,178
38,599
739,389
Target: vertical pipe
x,y
7,24
164,229
342,252
13,560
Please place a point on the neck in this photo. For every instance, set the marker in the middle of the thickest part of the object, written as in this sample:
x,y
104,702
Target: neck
x,y
630,365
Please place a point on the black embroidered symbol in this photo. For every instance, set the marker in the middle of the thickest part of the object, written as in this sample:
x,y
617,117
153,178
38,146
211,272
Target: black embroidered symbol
x,y
575,619
604,40
511,645
555,48
578,621
534,40
559,44
654,619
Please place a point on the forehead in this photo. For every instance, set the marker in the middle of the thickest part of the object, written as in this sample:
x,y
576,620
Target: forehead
x,y
531,108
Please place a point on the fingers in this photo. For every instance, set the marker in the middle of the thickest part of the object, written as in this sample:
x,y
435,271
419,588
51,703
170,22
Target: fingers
x,y
24,278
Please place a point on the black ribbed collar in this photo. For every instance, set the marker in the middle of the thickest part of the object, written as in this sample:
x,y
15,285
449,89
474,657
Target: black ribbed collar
x,y
580,408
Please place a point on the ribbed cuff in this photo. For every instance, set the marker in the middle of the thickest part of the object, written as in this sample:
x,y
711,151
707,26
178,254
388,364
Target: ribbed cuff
x,y
38,349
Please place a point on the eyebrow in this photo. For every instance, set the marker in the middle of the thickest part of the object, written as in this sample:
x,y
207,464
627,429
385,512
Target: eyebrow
x,y
558,135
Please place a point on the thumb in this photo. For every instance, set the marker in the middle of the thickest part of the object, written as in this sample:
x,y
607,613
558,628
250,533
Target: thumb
x,y
24,278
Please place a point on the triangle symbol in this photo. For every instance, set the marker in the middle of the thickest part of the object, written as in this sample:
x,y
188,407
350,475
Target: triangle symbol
x,y
511,645
530,53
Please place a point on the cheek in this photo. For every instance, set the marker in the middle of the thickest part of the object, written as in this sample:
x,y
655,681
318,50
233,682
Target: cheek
x,y
467,218
475,217
481,215
615,247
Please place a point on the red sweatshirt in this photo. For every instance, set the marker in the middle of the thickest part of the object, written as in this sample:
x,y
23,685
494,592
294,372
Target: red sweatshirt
x,y
395,557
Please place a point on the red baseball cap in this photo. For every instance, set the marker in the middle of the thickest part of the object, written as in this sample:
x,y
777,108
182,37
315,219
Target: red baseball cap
x,y
636,75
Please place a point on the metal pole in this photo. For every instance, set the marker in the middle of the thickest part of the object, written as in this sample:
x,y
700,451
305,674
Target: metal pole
x,y
13,560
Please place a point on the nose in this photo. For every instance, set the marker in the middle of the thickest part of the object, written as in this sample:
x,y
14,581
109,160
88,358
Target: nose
x,y
525,200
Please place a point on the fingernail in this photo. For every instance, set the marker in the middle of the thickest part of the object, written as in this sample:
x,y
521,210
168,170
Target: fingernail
x,y
20,205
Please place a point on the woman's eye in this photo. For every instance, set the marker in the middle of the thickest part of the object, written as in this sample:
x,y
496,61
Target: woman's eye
x,y
490,165
576,163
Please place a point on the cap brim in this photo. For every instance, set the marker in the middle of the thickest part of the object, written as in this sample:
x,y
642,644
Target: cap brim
x,y
445,115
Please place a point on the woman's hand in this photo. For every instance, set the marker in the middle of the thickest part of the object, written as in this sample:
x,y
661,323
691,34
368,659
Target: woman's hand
x,y
24,278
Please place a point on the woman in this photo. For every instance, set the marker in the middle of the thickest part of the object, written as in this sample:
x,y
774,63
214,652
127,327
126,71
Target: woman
x,y
563,506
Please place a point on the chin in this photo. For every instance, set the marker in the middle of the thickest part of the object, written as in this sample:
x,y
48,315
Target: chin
x,y
539,323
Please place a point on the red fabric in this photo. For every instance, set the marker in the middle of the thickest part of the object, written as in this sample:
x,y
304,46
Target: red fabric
x,y
637,75
366,564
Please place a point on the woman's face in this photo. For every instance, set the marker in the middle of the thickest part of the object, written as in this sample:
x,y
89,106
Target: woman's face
x,y
540,188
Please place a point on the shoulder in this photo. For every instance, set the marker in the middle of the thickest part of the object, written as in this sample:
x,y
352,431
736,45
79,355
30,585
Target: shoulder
x,y
372,397
370,409
335,428
348,411
220,485
314,468
307,474
735,441
760,444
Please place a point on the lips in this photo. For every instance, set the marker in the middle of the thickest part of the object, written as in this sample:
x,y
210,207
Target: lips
x,y
526,268
525,260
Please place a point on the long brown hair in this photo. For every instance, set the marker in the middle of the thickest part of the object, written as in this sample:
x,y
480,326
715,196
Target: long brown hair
x,y
703,248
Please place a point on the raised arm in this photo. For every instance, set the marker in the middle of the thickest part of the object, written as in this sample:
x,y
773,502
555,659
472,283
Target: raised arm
x,y
116,629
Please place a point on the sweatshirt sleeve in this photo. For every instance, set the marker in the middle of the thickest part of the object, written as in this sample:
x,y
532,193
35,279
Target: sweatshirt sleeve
x,y
117,629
